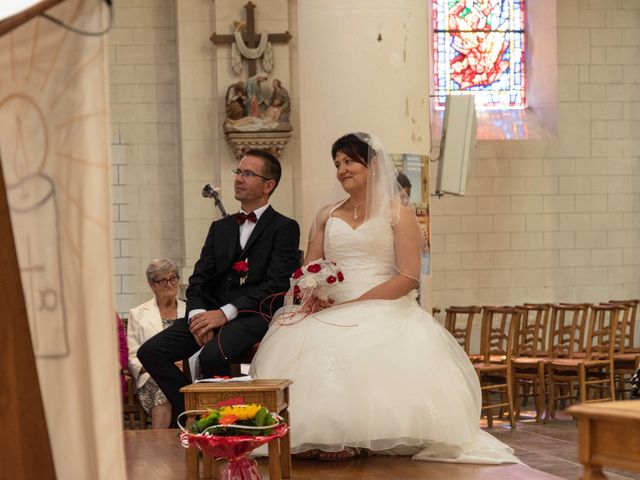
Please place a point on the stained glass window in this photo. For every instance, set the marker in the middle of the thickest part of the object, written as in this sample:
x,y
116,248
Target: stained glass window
x,y
479,48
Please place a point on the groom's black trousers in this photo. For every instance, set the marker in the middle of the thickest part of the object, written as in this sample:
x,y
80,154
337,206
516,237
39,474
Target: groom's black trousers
x,y
159,354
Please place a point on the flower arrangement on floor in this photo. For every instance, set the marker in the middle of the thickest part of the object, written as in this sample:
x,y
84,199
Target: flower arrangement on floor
x,y
249,419
232,432
316,279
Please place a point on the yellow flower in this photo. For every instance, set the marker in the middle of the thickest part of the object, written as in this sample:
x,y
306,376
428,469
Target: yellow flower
x,y
242,412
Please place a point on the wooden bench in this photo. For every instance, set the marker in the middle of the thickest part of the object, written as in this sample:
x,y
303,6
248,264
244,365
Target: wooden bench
x,y
609,435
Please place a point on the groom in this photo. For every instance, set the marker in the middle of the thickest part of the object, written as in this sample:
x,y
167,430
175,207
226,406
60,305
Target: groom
x,y
245,260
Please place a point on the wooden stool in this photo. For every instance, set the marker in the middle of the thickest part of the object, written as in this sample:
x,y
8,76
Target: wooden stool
x,y
271,394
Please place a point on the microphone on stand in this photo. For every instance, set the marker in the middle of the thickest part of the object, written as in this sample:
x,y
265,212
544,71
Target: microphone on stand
x,y
209,192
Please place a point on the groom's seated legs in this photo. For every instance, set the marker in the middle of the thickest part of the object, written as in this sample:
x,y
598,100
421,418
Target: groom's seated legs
x,y
158,356
230,343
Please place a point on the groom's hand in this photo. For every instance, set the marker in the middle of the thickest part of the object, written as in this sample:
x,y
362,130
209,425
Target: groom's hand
x,y
205,322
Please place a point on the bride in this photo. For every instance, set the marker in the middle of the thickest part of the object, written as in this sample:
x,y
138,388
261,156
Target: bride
x,y
371,370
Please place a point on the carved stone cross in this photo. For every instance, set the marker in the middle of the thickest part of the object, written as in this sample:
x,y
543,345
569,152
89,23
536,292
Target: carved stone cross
x,y
251,39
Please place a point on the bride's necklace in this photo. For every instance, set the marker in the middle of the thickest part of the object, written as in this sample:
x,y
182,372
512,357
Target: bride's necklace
x,y
355,209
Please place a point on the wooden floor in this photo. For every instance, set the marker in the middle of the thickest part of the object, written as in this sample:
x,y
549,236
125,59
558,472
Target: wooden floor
x,y
550,451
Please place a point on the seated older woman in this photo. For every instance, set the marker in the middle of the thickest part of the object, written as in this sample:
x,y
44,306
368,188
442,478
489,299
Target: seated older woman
x,y
145,321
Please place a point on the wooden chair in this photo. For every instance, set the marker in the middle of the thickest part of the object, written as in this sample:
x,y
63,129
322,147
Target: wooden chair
x,y
459,322
568,325
566,339
530,357
593,372
627,356
494,369
629,327
134,413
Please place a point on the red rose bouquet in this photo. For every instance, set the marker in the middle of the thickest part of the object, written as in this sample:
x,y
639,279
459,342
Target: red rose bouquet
x,y
316,279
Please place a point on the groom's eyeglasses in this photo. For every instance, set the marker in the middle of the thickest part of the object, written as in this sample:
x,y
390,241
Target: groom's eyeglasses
x,y
166,281
248,174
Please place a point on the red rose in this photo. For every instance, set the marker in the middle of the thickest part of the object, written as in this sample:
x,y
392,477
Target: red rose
x,y
297,274
241,266
296,291
314,268
340,276
331,279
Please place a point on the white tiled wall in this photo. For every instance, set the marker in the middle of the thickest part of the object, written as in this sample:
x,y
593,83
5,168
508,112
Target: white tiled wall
x,y
146,185
557,219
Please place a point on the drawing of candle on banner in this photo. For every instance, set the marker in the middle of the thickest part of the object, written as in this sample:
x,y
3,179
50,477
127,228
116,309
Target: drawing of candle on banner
x,y
34,218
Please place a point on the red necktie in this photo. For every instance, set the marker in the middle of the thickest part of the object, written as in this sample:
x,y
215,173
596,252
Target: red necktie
x,y
243,217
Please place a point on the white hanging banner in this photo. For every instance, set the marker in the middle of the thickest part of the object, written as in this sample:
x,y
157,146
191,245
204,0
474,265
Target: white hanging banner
x,y
54,139
13,7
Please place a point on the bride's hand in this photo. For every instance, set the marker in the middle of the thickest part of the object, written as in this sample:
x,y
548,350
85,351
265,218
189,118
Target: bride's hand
x,y
314,304
322,304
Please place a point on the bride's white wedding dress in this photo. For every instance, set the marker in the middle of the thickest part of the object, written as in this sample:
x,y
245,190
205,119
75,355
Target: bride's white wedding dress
x,y
378,374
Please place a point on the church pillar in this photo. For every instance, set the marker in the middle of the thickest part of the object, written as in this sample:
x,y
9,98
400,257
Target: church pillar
x,y
198,137
363,67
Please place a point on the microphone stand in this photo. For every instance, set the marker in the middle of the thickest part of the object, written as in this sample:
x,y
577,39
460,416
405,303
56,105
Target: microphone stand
x,y
210,192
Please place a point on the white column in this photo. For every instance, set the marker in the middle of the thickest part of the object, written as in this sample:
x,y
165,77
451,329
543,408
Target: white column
x,y
363,67
198,133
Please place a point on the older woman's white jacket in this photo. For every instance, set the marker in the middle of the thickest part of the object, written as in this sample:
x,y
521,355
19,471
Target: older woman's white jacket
x,y
144,322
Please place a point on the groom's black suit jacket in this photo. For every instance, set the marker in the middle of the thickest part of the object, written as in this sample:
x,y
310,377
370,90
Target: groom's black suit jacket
x,y
272,255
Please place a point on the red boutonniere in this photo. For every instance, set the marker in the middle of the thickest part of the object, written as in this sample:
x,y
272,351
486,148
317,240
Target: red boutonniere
x,y
242,267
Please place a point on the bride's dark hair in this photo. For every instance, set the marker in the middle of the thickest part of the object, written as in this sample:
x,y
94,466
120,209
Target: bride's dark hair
x,y
353,147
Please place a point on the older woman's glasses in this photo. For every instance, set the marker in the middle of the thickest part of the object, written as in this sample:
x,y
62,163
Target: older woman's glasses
x,y
247,174
166,281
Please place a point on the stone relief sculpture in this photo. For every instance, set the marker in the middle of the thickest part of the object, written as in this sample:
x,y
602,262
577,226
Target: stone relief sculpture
x,y
235,100
258,109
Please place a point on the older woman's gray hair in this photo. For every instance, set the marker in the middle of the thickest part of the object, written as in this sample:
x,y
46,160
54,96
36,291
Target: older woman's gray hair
x,y
160,266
